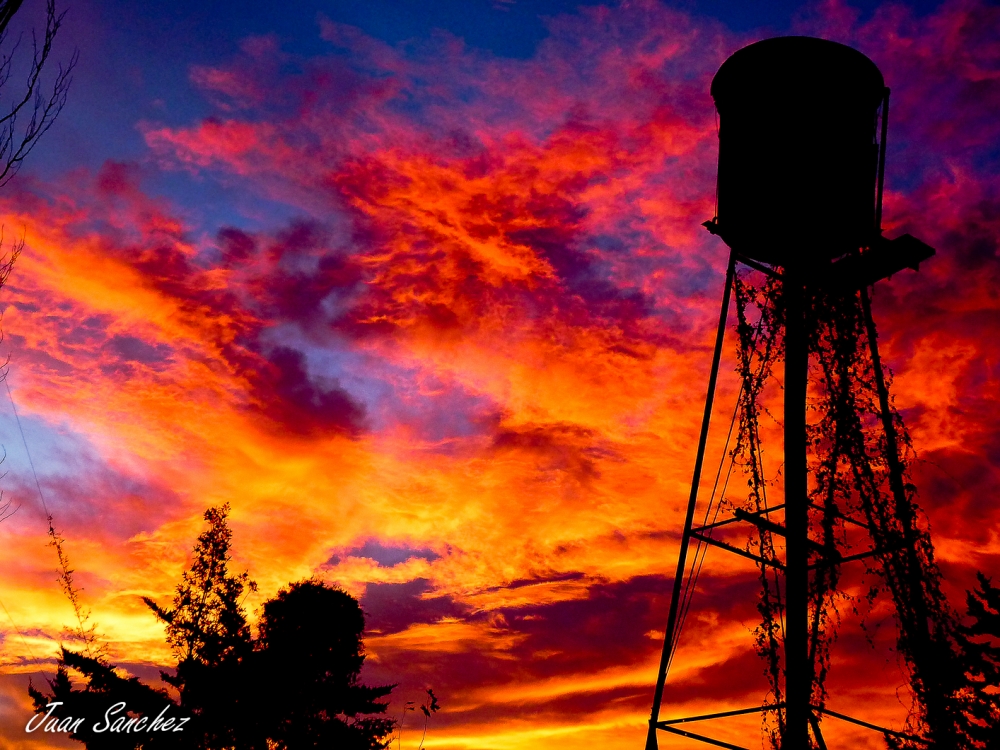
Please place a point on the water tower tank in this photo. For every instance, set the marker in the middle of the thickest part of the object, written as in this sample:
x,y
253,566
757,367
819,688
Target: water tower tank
x,y
797,150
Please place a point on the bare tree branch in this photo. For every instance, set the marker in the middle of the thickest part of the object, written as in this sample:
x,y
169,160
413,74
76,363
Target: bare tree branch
x,y
17,136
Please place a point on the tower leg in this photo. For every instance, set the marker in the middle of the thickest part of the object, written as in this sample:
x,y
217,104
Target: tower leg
x,y
927,653
817,733
798,677
675,594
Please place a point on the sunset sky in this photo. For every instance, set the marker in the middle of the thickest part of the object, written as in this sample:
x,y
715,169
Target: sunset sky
x,y
420,289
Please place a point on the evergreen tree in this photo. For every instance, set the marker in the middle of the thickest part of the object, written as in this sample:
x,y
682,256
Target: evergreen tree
x,y
106,688
208,631
980,645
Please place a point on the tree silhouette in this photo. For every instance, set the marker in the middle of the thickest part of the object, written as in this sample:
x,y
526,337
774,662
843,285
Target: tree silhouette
x,y
207,623
208,631
308,660
295,686
980,646
105,689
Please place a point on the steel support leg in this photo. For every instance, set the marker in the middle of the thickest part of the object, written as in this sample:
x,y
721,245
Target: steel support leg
x,y
798,672
675,595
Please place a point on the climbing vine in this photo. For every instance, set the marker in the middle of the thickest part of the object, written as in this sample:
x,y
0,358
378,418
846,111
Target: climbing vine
x,y
859,454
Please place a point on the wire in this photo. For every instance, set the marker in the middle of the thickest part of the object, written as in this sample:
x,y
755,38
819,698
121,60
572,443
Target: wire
x,y
56,541
701,549
41,495
17,630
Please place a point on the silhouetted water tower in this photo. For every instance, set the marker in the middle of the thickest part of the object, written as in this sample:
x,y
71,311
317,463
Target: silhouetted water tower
x,y
802,131
797,150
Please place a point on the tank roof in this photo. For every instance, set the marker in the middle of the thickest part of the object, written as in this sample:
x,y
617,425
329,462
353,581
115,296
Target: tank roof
x,y
811,67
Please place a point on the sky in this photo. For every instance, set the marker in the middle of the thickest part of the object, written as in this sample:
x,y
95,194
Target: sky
x,y
421,291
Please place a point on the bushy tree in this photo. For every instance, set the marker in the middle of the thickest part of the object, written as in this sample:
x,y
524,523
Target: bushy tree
x,y
308,663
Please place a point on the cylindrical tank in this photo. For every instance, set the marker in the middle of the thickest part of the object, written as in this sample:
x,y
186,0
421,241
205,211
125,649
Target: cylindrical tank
x,y
797,150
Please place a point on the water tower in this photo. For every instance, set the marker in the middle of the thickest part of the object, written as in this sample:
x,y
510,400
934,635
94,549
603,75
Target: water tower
x,y
802,137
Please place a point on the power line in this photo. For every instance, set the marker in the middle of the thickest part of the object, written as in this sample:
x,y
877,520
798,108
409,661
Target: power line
x,y
41,495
